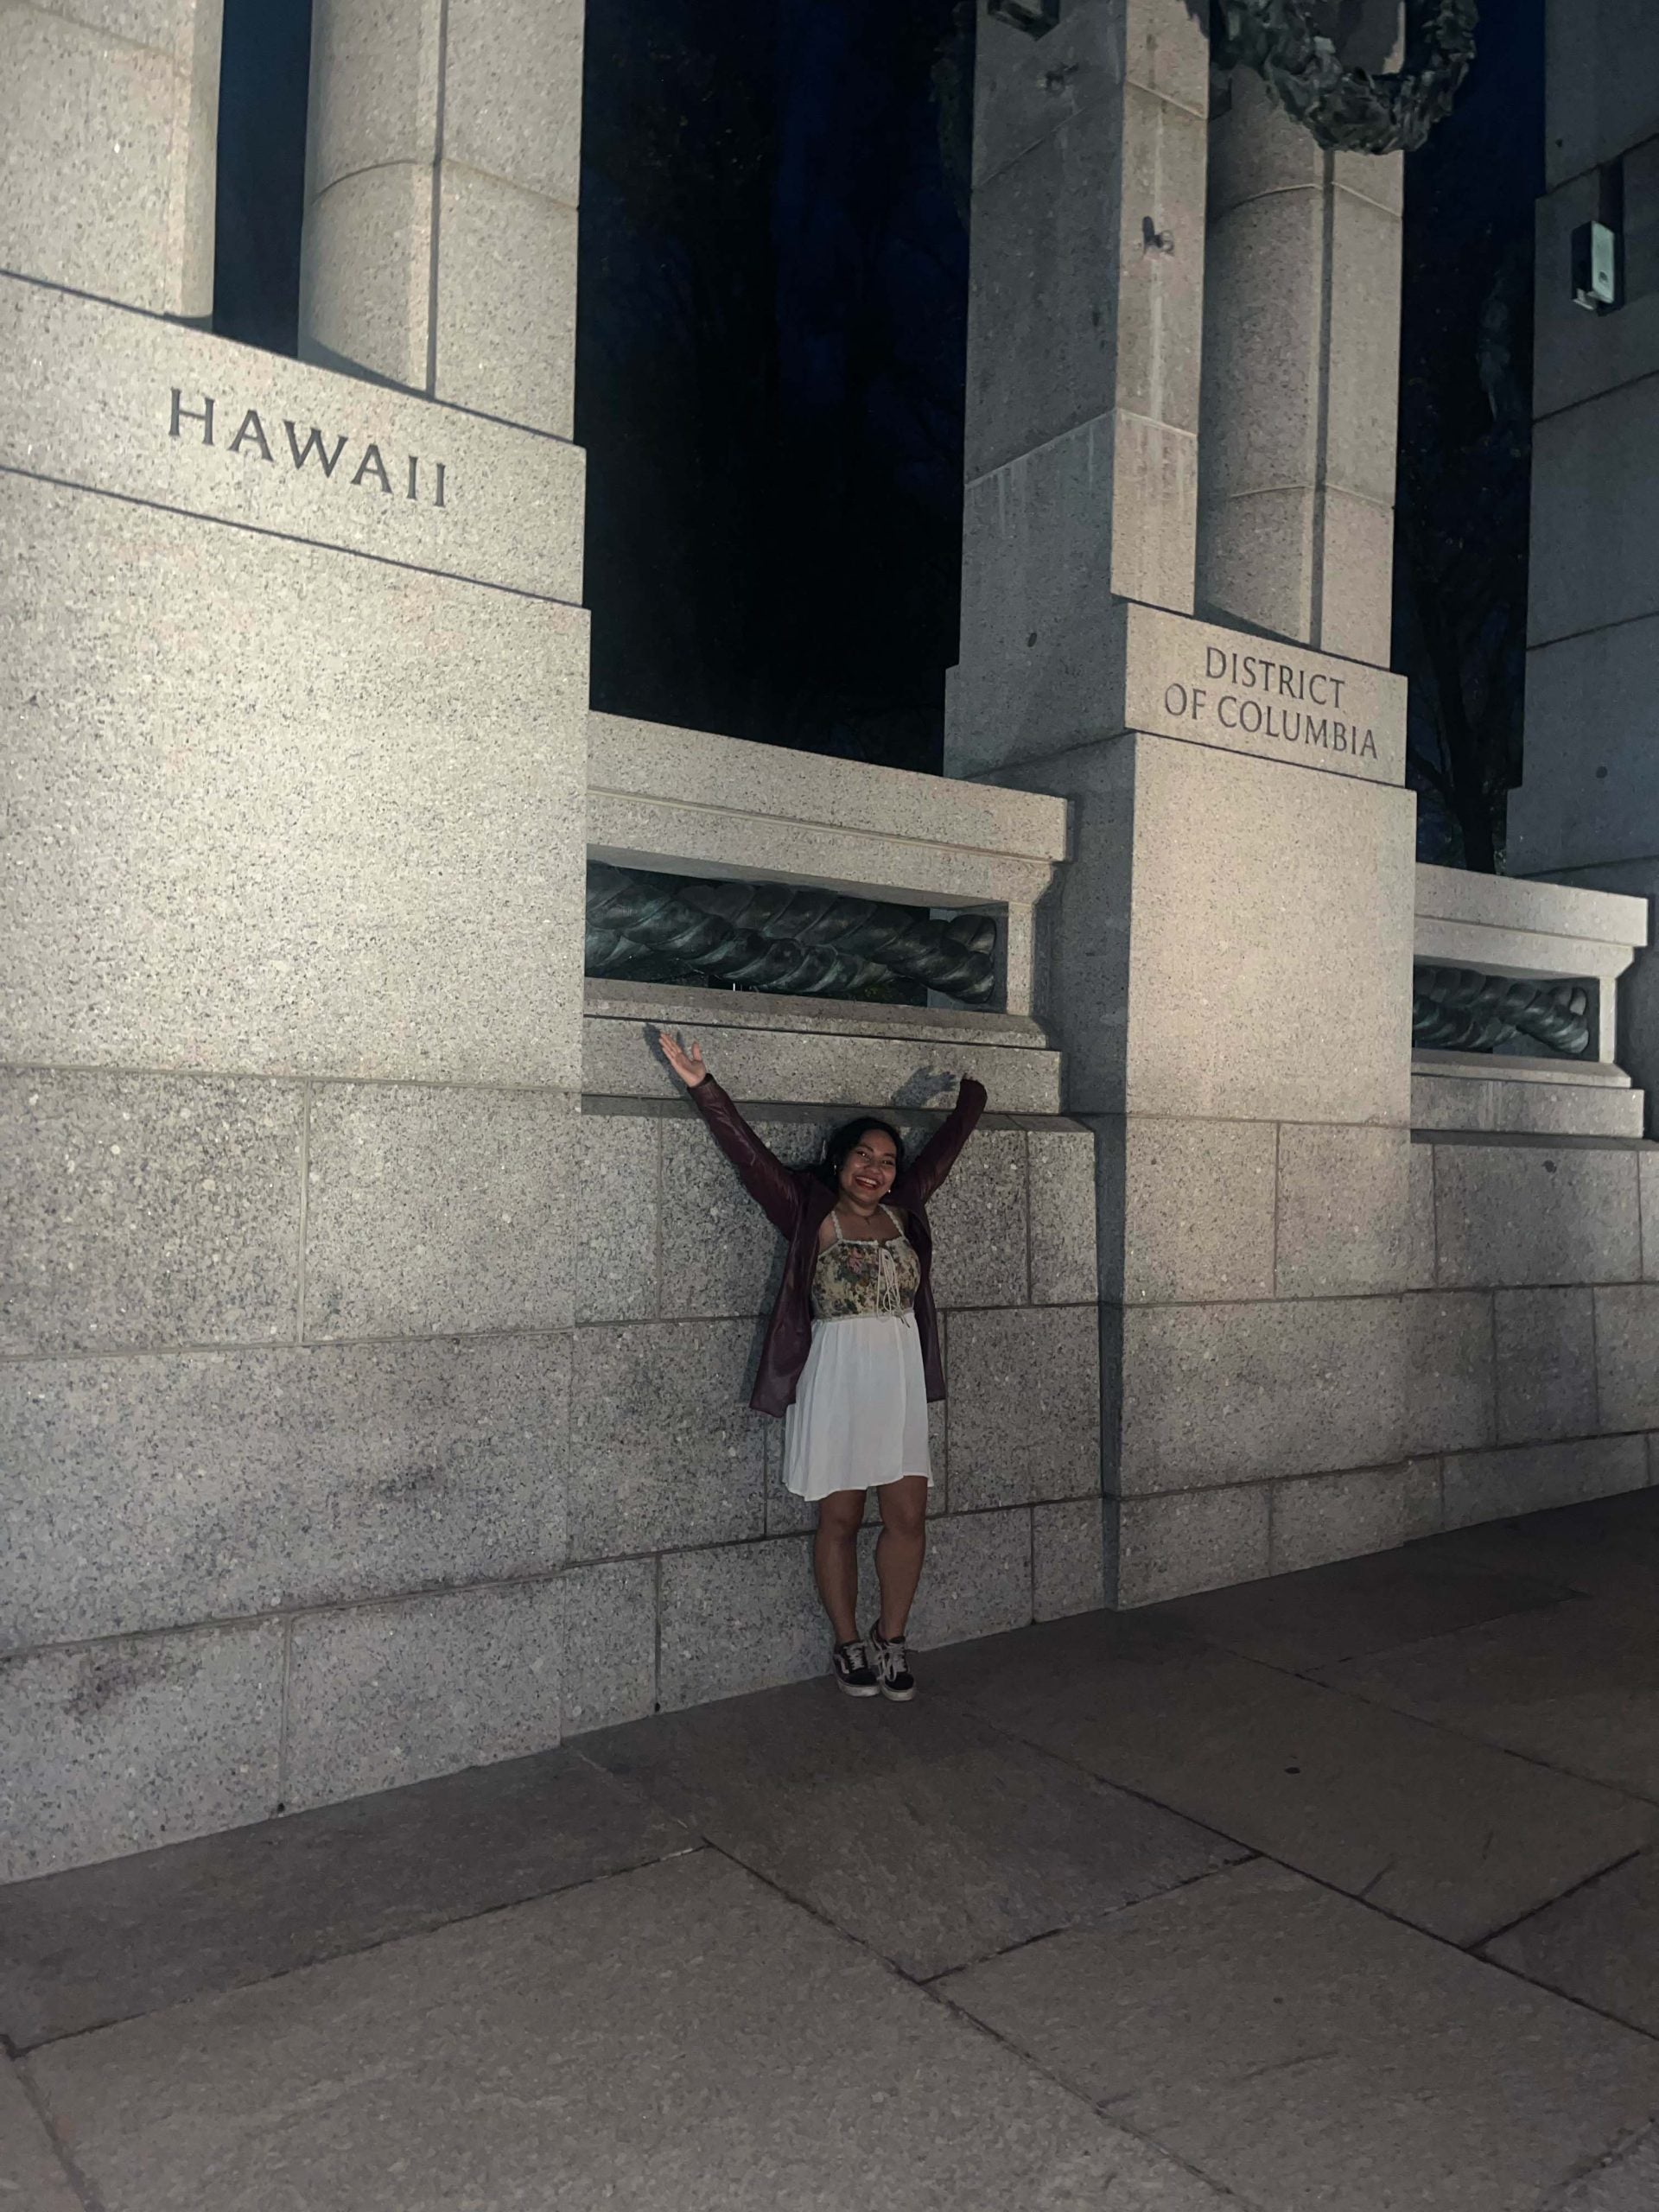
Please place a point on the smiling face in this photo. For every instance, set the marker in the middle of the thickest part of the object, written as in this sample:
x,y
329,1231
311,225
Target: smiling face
x,y
867,1171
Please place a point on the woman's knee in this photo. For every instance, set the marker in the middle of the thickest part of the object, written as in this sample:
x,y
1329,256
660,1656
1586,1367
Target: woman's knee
x,y
840,1512
903,1512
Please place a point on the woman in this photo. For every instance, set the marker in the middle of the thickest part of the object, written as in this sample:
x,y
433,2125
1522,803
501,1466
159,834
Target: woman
x,y
851,1355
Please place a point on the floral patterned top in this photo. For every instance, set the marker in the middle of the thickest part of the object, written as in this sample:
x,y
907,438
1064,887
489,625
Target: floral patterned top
x,y
858,1275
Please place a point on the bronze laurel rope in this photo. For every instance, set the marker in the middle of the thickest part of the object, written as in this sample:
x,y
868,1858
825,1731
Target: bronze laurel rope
x,y
1351,111
777,937
1461,1011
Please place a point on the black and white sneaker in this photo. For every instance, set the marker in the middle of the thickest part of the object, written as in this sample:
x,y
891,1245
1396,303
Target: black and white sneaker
x,y
852,1670
892,1664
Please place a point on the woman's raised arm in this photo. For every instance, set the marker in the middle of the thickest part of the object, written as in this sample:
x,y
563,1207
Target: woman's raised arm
x,y
774,1189
938,1155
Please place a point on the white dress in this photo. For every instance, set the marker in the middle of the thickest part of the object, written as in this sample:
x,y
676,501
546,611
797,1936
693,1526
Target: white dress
x,y
859,1417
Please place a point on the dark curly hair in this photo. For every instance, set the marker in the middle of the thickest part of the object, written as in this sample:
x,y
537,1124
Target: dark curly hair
x,y
839,1142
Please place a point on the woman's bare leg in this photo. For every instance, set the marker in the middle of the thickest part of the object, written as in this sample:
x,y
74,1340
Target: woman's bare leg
x,y
834,1559
900,1548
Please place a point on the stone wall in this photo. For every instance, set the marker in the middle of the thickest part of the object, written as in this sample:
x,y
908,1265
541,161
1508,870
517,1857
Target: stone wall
x,y
676,1499
1516,1366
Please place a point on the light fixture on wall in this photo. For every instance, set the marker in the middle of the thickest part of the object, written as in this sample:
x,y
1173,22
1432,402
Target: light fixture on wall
x,y
1599,246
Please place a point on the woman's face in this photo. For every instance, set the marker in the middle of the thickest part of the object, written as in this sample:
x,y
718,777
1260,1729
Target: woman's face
x,y
867,1172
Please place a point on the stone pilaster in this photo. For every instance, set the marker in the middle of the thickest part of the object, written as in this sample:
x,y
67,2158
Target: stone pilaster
x,y
1083,338
108,130
1301,349
442,176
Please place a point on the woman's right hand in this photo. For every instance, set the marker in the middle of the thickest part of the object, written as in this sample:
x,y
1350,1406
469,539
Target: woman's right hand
x,y
686,1060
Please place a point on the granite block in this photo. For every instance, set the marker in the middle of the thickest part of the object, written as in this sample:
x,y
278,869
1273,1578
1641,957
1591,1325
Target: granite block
x,y
1648,1179
1598,1946
157,1929
1598,516
1195,1217
1576,1689
506,302
1626,2180
1355,1606
1566,814
582,2025
617,1198
513,512
1360,405
438,1210
609,1650
977,1581
1189,1540
1068,1558
979,1222
1419,1233
1256,556
1627,1356
1546,1364
1423,1823
997,1842
1526,1478
32,2174
1064,1250
1025,1404
146,1210
1533,1213
742,1617
512,92
144,1493
1225,1394
1263,273
664,1450
1451,1385
379,1695
375,68
720,1254
1321,1518
1091,50
1404,2073
1344,1212
119,1746
838,1070
107,168
365,284
326,879
1239,865
1601,87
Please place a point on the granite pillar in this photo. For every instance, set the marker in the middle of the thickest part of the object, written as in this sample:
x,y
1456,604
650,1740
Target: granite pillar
x,y
443,179
1226,960
1084,338
109,122
1301,349
1587,807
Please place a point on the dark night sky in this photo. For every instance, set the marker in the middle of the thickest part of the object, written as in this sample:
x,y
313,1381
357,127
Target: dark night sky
x,y
772,327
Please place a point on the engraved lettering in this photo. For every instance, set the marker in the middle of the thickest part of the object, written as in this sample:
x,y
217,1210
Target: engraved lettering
x,y
1368,750
438,502
414,477
204,415
301,453
251,427
372,463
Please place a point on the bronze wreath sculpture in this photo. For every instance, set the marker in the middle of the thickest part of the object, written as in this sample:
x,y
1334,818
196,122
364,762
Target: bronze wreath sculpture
x,y
1351,111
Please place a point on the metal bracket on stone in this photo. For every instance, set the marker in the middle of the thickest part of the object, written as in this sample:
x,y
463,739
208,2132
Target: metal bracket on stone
x,y
1035,17
1460,1010
780,937
1348,110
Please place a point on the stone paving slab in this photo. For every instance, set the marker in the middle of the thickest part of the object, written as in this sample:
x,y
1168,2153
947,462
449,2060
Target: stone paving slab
x,y
1628,2181
1317,2058
1580,1692
32,2177
678,2039
1600,1945
1355,1606
931,1836
1453,1835
107,1942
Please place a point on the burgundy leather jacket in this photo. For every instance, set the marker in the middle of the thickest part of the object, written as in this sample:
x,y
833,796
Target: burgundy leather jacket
x,y
795,1201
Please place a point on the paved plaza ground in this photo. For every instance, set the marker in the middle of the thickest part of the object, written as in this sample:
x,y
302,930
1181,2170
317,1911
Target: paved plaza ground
x,y
1338,1891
